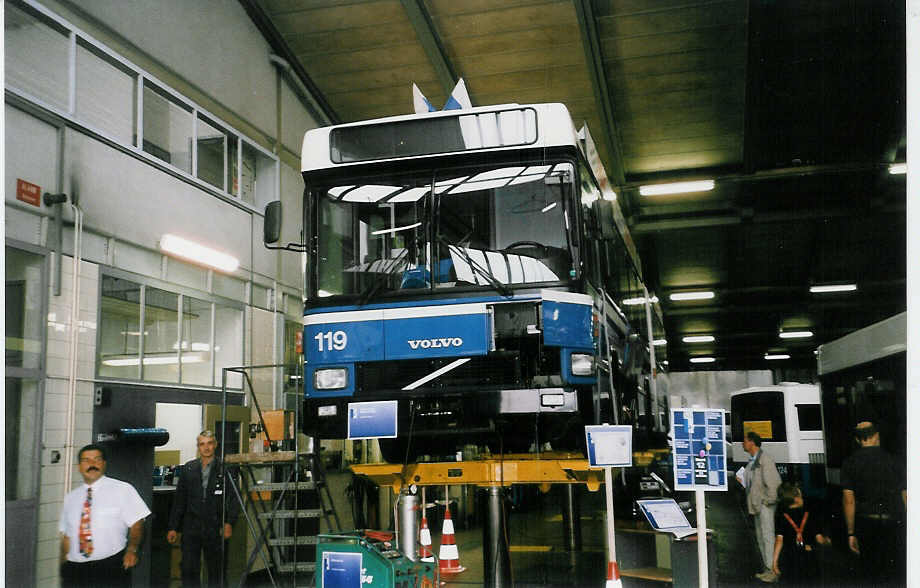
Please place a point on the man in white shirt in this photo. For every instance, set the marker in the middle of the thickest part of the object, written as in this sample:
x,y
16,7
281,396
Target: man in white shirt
x,y
101,526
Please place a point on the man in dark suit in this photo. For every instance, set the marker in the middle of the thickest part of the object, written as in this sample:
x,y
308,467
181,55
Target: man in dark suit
x,y
198,511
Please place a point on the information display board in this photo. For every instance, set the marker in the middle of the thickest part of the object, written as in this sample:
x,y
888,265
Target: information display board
x,y
372,420
699,449
609,446
341,570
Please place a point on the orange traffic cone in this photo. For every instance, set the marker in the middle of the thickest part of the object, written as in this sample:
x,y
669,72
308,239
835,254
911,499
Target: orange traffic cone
x,y
613,575
424,538
448,556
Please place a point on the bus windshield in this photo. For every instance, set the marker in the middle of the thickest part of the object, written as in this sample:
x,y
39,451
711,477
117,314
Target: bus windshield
x,y
486,227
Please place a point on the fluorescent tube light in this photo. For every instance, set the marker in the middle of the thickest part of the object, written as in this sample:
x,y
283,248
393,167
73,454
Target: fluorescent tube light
x,y
776,356
699,339
897,168
171,360
795,334
706,295
832,288
548,207
677,187
396,229
702,359
659,342
638,301
198,253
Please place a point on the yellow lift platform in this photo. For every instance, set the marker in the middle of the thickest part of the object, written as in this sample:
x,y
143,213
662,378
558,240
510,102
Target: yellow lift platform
x,y
543,469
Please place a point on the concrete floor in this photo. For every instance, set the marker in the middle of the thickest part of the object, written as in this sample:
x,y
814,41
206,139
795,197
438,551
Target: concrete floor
x,y
538,556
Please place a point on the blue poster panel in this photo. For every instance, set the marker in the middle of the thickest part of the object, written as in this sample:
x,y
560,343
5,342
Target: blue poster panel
x,y
372,420
341,570
699,449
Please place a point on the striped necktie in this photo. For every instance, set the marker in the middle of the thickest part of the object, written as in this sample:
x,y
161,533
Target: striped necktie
x,y
86,533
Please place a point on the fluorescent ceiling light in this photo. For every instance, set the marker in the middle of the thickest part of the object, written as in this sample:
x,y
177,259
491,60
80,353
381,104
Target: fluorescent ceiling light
x,y
171,360
548,207
659,342
795,334
832,288
776,356
699,339
677,187
396,229
897,168
198,253
693,295
637,301
702,359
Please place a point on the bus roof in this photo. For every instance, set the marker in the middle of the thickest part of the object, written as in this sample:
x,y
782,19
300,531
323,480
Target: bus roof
x,y
876,341
801,392
493,128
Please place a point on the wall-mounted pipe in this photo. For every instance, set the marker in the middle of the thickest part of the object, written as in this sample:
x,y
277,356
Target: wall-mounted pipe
x,y
74,345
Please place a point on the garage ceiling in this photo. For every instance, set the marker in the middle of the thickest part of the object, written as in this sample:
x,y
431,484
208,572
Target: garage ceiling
x,y
794,108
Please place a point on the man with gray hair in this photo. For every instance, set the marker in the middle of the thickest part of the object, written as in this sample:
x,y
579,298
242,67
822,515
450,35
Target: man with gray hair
x,y
198,511
761,485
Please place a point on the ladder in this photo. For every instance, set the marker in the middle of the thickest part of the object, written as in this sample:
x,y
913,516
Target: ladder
x,y
283,496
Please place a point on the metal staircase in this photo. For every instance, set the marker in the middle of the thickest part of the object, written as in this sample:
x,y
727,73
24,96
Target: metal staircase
x,y
283,496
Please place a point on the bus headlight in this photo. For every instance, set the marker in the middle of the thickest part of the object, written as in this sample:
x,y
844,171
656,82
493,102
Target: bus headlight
x,y
582,364
330,378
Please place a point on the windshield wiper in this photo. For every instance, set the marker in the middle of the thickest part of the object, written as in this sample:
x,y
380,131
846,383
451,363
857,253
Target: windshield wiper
x,y
485,273
388,270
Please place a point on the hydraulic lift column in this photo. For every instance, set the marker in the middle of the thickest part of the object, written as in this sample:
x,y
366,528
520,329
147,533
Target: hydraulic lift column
x,y
496,560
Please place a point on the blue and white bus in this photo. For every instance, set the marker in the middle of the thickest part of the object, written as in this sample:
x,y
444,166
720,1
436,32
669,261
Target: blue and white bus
x,y
471,264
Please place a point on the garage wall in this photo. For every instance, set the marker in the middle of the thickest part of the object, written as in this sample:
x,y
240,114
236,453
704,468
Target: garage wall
x,y
212,55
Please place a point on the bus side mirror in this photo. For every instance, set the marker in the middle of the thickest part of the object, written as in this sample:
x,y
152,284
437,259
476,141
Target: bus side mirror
x,y
271,229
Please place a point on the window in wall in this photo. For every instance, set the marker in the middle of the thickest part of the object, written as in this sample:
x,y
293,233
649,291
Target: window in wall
x,y
119,328
196,342
212,153
106,94
161,335
258,178
228,348
167,129
36,56
24,322
21,452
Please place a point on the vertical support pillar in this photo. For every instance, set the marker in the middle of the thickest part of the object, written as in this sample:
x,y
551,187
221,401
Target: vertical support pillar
x,y
571,517
495,555
408,524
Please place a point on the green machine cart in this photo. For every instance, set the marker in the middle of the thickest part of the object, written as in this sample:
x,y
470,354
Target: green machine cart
x,y
362,559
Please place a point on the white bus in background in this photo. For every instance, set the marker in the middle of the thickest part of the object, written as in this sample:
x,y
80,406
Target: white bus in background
x,y
787,416
863,376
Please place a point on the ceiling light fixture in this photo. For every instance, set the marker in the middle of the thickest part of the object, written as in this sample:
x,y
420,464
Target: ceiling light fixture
x,y
677,187
897,168
776,356
822,289
659,342
702,359
795,334
638,301
698,339
706,295
197,253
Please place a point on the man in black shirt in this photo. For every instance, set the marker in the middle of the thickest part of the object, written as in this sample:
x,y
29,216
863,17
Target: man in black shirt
x,y
874,501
